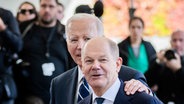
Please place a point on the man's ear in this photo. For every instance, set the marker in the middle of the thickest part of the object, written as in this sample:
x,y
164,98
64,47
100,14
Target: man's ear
x,y
119,62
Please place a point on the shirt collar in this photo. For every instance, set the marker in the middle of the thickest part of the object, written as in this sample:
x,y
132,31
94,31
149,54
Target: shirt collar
x,y
111,93
80,74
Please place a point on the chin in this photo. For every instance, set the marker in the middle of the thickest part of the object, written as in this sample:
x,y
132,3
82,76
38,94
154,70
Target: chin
x,y
97,83
79,63
46,21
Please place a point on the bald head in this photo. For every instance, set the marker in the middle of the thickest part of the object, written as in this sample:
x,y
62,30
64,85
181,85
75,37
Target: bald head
x,y
83,18
102,43
101,63
177,41
177,32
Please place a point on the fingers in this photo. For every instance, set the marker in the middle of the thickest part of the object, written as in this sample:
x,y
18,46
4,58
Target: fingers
x,y
2,25
143,88
177,56
131,87
134,85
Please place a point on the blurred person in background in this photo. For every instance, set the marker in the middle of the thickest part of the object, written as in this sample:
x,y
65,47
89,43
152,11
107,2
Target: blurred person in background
x,y
10,43
44,54
26,12
166,75
60,13
134,50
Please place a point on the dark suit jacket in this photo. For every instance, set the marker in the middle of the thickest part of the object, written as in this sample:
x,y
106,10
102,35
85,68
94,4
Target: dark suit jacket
x,y
63,88
122,98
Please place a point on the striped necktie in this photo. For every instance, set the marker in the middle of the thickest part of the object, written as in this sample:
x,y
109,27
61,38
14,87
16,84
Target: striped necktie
x,y
99,100
83,90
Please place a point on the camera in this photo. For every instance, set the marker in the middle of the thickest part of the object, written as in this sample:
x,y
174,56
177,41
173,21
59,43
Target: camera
x,y
170,54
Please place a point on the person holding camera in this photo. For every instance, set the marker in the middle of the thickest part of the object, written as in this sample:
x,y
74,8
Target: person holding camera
x,y
166,75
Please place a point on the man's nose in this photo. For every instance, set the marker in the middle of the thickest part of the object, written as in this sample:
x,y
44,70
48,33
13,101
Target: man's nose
x,y
47,8
96,65
80,44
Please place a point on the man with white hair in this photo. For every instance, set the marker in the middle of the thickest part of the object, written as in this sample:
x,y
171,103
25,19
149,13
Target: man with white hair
x,y
65,88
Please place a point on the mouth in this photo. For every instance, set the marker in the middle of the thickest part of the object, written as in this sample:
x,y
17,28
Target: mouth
x,y
97,75
46,15
78,55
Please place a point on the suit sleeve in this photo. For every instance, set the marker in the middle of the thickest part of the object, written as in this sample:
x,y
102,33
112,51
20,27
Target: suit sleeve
x,y
139,76
127,73
11,35
52,101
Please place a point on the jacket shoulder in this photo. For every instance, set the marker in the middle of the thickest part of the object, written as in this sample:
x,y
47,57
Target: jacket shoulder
x,y
142,97
126,73
66,74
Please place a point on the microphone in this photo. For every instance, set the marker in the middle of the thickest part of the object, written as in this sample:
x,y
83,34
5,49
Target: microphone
x,y
83,9
98,8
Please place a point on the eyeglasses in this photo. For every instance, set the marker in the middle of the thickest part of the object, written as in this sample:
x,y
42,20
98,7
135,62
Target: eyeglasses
x,y
23,11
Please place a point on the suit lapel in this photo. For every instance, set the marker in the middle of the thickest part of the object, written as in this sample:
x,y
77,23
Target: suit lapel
x,y
121,97
72,85
88,99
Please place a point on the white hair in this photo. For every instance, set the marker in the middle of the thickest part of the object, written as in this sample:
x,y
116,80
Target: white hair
x,y
84,16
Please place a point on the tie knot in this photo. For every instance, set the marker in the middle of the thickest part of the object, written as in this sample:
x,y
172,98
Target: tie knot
x,y
99,100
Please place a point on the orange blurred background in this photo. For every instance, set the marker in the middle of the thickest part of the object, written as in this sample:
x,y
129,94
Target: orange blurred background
x,y
161,17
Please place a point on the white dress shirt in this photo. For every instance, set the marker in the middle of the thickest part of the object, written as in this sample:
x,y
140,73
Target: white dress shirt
x,y
79,82
110,94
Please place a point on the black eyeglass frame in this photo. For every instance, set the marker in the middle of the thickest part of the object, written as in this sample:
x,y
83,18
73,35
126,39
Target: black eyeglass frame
x,y
23,11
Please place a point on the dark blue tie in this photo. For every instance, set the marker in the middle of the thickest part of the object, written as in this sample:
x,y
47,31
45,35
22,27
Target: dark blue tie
x,y
83,90
99,100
